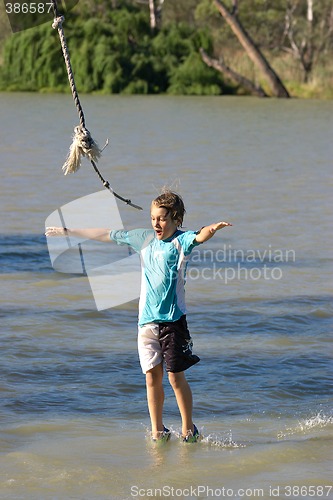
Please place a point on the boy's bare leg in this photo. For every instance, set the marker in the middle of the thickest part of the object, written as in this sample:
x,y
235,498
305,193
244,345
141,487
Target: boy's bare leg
x,y
184,399
155,398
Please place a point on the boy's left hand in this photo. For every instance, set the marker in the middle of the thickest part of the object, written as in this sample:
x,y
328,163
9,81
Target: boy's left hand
x,y
219,225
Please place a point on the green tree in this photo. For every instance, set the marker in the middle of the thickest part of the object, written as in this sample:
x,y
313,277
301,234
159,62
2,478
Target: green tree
x,y
5,30
113,48
115,53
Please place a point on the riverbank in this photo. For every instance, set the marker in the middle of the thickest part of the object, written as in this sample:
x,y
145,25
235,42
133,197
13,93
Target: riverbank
x,y
122,56
320,85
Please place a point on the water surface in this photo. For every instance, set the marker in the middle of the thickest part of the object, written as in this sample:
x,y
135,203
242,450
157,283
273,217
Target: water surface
x,y
74,421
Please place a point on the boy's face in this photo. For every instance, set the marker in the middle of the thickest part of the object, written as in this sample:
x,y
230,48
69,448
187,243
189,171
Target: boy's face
x,y
162,223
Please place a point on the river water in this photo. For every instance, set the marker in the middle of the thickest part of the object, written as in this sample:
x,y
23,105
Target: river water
x,y
73,413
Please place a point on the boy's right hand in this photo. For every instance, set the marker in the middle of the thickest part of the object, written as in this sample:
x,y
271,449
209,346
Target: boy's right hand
x,y
55,231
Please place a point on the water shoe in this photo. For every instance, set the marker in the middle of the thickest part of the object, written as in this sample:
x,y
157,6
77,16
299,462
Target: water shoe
x,y
192,437
164,436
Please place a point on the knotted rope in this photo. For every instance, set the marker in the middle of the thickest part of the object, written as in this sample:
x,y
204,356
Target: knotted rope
x,y
83,144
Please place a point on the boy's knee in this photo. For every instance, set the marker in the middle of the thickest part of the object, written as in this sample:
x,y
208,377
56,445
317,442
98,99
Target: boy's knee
x,y
176,379
154,376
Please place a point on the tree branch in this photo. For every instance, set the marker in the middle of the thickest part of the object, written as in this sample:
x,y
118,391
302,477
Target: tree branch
x,y
252,50
236,77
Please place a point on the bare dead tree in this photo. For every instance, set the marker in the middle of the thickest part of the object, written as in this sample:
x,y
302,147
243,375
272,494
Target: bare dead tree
x,y
305,45
253,52
220,66
152,12
155,12
302,50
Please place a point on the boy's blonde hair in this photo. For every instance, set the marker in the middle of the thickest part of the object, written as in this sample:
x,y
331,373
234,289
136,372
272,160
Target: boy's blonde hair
x,y
173,203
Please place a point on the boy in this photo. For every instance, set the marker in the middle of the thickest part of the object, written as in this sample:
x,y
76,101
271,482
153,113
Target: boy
x,y
163,337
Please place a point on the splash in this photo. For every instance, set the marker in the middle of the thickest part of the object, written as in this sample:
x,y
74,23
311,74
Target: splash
x,y
318,421
214,440
222,442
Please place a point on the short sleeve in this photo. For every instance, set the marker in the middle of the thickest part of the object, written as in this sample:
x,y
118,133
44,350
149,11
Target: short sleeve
x,y
135,238
188,241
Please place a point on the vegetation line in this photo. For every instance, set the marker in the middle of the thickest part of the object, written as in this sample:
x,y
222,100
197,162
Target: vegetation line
x,y
206,47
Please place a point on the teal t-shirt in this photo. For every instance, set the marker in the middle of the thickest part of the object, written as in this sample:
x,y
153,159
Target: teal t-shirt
x,y
163,265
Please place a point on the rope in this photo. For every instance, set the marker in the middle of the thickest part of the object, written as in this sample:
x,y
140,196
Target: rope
x,y
83,144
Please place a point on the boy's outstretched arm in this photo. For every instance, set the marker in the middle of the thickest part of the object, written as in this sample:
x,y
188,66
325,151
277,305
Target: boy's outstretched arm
x,y
207,232
98,234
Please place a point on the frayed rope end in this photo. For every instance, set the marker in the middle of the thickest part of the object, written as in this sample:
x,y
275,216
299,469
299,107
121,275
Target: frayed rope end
x,y
83,145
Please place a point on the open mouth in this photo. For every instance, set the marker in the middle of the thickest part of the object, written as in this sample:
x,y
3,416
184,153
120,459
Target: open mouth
x,y
158,232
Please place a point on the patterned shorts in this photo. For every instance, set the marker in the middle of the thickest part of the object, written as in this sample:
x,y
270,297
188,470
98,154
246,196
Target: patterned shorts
x,y
169,342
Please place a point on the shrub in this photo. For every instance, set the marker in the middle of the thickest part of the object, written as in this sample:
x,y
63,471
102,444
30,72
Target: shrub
x,y
116,54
